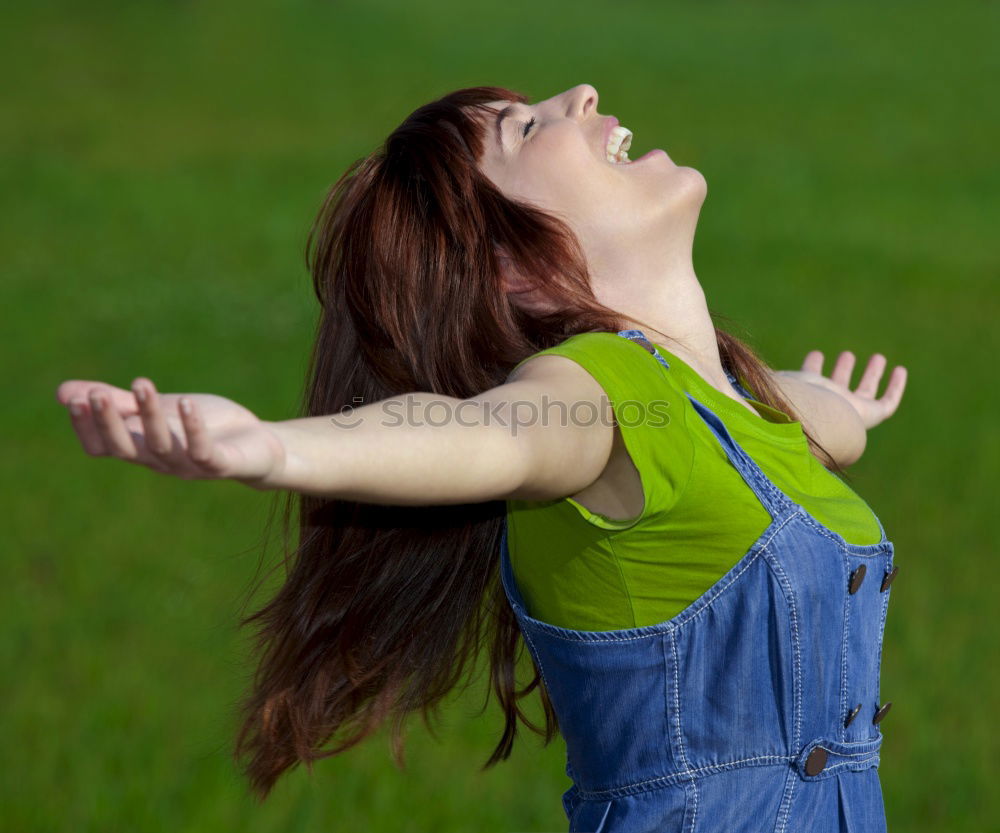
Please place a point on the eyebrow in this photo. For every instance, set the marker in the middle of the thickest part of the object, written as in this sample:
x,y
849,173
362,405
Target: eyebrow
x,y
499,123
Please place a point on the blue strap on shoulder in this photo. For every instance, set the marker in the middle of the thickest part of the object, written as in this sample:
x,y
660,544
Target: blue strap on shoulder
x,y
639,337
742,391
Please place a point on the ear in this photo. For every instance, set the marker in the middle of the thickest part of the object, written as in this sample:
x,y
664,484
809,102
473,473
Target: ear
x,y
523,292
513,281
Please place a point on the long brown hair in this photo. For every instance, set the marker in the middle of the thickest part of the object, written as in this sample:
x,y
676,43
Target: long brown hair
x,y
383,607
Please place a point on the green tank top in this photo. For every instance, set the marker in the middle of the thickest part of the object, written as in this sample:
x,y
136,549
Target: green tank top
x,y
579,569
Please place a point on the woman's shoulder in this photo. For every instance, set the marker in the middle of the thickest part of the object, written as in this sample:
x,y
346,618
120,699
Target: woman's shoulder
x,y
610,356
649,410
643,392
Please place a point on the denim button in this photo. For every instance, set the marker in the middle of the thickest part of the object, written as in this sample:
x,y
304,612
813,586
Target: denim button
x,y
816,761
857,577
881,712
889,576
852,715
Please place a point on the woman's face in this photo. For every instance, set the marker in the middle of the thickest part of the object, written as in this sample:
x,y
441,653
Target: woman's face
x,y
553,154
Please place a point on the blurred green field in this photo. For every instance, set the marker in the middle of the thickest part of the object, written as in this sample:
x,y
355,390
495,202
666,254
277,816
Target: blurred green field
x,y
160,165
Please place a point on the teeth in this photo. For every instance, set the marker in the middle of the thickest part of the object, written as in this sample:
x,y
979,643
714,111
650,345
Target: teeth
x,y
619,142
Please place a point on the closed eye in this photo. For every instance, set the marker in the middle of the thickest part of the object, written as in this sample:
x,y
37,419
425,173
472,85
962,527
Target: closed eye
x,y
528,126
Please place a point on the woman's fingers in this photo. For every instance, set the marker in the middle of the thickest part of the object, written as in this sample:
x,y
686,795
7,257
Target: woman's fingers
x,y
868,386
200,448
123,400
843,369
114,435
893,391
86,430
813,362
157,437
863,398
101,419
141,427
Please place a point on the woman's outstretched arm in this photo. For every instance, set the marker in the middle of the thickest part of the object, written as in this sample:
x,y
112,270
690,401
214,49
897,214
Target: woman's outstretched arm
x,y
422,448
416,449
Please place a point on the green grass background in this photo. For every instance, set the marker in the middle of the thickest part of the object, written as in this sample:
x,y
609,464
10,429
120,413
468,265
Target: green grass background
x,y
160,164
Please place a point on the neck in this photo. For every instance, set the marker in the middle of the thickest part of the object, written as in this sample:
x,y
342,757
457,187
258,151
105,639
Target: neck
x,y
658,292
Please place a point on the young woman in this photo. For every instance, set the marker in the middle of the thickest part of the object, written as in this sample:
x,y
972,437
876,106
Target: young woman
x,y
521,421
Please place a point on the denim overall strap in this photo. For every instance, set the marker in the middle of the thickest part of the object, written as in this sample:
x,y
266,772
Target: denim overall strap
x,y
639,337
775,501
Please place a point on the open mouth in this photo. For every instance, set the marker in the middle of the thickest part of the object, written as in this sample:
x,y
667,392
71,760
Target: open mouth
x,y
618,142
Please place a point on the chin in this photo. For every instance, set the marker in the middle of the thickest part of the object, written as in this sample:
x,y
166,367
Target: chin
x,y
695,183
685,186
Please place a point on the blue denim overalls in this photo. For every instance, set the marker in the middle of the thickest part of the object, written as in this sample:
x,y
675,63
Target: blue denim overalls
x,y
754,709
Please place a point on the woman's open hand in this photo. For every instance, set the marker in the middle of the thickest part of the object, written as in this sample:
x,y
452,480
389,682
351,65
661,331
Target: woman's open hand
x,y
863,398
192,435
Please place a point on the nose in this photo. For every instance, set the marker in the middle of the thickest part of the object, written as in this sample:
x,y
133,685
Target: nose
x,y
581,100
